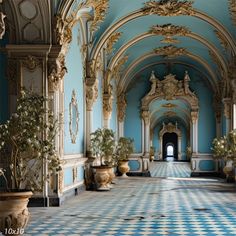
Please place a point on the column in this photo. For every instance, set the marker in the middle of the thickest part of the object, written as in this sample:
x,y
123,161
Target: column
x,y
91,96
146,119
160,147
227,113
194,116
121,109
234,116
179,148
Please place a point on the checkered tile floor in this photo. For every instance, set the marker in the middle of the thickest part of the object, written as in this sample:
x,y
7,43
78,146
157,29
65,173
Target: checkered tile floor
x,y
170,169
144,206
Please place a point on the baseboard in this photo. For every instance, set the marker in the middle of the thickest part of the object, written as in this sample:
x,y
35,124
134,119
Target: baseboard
x,y
55,201
205,174
142,174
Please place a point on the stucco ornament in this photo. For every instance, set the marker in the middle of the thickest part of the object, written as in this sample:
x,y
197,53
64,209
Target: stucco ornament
x,y
168,8
170,88
107,103
91,94
170,128
121,104
170,51
2,25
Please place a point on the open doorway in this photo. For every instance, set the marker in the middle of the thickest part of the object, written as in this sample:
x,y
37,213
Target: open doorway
x,y
170,147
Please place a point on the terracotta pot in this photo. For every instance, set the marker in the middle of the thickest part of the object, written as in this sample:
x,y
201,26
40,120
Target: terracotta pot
x,y
14,213
102,177
123,167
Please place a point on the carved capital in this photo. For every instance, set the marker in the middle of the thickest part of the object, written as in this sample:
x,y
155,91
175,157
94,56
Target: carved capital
x,y
227,107
194,116
121,105
56,72
107,105
2,25
91,94
146,117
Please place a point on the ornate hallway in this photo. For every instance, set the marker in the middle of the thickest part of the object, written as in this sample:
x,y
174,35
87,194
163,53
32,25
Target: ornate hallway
x,y
145,206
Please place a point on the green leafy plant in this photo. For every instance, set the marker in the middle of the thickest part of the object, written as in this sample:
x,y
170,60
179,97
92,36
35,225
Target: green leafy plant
x,y
103,146
27,138
220,148
124,148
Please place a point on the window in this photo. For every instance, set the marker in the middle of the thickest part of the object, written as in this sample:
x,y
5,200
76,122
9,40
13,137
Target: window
x,y
170,150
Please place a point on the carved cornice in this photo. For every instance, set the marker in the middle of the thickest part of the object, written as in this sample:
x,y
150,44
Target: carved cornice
x,y
170,51
169,31
223,41
2,25
121,105
232,8
168,8
111,41
170,88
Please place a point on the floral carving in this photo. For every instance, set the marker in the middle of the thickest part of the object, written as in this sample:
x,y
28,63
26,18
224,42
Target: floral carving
x,y
169,31
91,94
111,41
121,104
2,25
168,8
107,102
170,51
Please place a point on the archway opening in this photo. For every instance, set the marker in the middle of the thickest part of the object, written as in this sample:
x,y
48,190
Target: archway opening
x,y
170,147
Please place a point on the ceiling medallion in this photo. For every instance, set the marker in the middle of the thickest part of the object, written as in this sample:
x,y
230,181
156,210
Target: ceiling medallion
x,y
170,51
232,8
169,105
169,31
168,8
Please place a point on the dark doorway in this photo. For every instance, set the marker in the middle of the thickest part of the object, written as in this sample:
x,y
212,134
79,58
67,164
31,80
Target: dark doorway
x,y
170,146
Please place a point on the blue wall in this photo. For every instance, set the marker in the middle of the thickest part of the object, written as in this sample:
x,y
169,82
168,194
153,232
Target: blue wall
x,y
97,108
3,85
74,81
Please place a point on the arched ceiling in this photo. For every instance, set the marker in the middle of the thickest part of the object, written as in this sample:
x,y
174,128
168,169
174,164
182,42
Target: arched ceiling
x,y
202,36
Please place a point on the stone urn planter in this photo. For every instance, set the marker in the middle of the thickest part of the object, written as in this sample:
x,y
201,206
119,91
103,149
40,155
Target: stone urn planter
x,y
111,176
102,177
229,171
123,167
14,213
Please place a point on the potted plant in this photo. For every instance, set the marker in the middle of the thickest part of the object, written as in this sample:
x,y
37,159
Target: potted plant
x,y
102,146
124,148
27,141
152,153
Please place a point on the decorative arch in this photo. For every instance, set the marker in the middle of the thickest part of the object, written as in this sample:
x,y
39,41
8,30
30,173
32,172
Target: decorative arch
x,y
170,128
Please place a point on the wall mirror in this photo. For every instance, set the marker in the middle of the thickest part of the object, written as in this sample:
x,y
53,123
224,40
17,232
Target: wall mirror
x,y
74,117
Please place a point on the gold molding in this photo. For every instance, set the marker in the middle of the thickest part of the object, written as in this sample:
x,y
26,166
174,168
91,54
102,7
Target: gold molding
x,y
111,41
232,8
170,51
169,105
222,40
168,8
118,67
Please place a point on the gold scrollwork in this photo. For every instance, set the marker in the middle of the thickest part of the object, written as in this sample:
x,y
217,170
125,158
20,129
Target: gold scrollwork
x,y
170,51
74,117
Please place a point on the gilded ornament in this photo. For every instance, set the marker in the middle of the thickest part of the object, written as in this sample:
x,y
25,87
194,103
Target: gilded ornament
x,y
100,8
111,41
146,117
169,114
170,51
169,31
107,103
194,116
91,94
2,25
118,67
168,8
169,105
121,105
223,41
216,60
232,8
